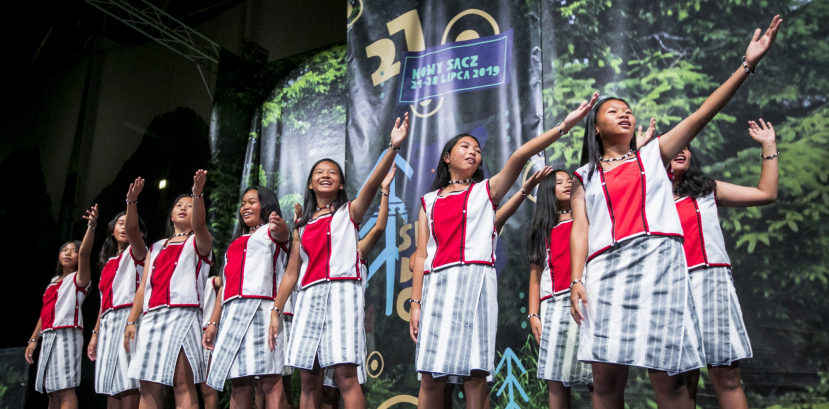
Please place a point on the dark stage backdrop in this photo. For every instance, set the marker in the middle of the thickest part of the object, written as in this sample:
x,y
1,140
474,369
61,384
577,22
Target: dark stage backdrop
x,y
506,71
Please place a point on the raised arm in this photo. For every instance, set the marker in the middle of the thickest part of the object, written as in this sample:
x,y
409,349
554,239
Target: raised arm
x,y
84,275
672,142
500,184
134,233
367,243
137,304
360,205
286,287
578,249
511,206
417,273
729,195
535,300
198,219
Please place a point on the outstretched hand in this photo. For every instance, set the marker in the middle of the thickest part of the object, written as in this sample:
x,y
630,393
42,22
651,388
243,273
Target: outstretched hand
x,y
386,184
536,178
297,211
91,215
576,116
135,190
643,139
400,131
276,226
198,182
763,133
759,46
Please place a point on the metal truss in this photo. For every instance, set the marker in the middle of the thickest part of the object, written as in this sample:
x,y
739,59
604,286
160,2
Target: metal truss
x,y
163,29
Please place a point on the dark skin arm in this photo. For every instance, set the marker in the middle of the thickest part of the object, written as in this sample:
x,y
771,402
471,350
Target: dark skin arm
x,y
134,233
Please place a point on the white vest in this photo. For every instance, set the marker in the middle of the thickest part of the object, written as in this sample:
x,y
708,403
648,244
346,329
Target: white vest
x,y
657,211
461,228
704,242
62,304
176,281
119,280
329,249
254,266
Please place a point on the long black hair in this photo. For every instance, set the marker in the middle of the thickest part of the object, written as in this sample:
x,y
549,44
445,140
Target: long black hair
x,y
695,182
309,204
592,148
171,228
442,176
267,204
59,268
110,246
544,219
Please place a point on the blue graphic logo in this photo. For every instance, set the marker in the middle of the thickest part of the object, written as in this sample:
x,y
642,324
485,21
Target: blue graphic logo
x,y
509,357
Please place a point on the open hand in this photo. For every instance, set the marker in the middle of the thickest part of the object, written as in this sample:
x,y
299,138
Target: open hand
x,y
91,215
400,131
643,139
386,184
536,178
759,46
198,182
135,189
576,116
762,133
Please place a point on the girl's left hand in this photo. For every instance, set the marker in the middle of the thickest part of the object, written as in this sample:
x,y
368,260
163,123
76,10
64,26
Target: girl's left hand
x,y
273,330
91,215
759,46
276,225
536,178
386,184
198,182
643,139
400,131
763,133
92,348
576,116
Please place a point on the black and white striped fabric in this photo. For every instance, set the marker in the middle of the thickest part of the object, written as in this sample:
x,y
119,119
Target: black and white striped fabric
x,y
241,347
59,365
287,321
163,333
328,322
458,321
559,346
113,361
724,335
640,309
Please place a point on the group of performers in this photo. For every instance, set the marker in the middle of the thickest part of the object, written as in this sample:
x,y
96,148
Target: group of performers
x,y
627,268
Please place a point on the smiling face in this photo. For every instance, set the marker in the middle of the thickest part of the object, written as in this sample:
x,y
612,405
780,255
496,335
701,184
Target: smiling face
x,y
181,212
681,163
251,209
563,184
68,256
119,232
326,180
464,158
615,119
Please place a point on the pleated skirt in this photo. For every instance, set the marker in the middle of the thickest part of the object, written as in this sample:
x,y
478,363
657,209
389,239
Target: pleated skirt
x,y
113,361
559,346
162,334
329,325
724,335
640,309
59,365
241,348
458,321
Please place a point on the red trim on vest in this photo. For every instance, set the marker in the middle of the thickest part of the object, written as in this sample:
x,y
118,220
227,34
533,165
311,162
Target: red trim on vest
x,y
559,256
316,235
446,225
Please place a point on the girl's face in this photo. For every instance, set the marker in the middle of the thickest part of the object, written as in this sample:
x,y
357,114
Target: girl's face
x,y
563,184
615,118
681,163
120,232
465,157
182,211
68,257
325,180
251,209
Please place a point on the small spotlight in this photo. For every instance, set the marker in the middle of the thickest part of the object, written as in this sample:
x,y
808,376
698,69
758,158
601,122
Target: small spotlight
x,y
162,183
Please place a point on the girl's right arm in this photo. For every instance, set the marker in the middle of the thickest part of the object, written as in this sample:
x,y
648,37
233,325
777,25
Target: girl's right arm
x,y
578,249
92,348
30,347
209,336
417,274
286,287
137,305
535,299
134,233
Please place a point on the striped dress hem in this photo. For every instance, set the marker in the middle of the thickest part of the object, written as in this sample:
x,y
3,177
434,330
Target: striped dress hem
x,y
59,364
113,361
724,335
163,333
558,349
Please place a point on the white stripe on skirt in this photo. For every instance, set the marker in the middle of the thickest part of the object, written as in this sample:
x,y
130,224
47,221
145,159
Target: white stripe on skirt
x,y
162,334
287,321
724,335
640,310
59,365
458,321
113,361
558,350
328,323
242,343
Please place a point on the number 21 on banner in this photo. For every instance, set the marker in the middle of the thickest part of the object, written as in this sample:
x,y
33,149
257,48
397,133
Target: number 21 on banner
x,y
409,23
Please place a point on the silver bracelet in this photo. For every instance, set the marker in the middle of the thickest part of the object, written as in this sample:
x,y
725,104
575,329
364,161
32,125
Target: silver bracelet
x,y
95,332
745,67
392,147
533,315
130,323
32,340
384,193
278,312
769,157
412,300
561,131
214,323
131,203
576,281
197,197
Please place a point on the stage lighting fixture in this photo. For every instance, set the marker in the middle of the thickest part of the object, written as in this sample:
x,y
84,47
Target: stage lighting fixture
x,y
162,183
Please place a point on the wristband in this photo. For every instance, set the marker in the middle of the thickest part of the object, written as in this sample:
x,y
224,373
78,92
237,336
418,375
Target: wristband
x,y
95,332
130,323
576,281
131,203
392,147
278,312
214,323
384,193
770,157
197,197
412,300
32,340
561,131
745,67
533,315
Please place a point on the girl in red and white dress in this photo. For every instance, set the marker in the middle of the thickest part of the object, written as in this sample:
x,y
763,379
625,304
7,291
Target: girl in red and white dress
x,y
61,321
454,276
254,265
328,328
630,284
697,196
122,264
167,344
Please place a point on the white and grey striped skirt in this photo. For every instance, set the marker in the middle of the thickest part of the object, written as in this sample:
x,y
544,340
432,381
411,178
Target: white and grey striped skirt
x,y
724,335
328,324
287,321
59,365
458,321
241,348
558,350
113,361
162,334
640,309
